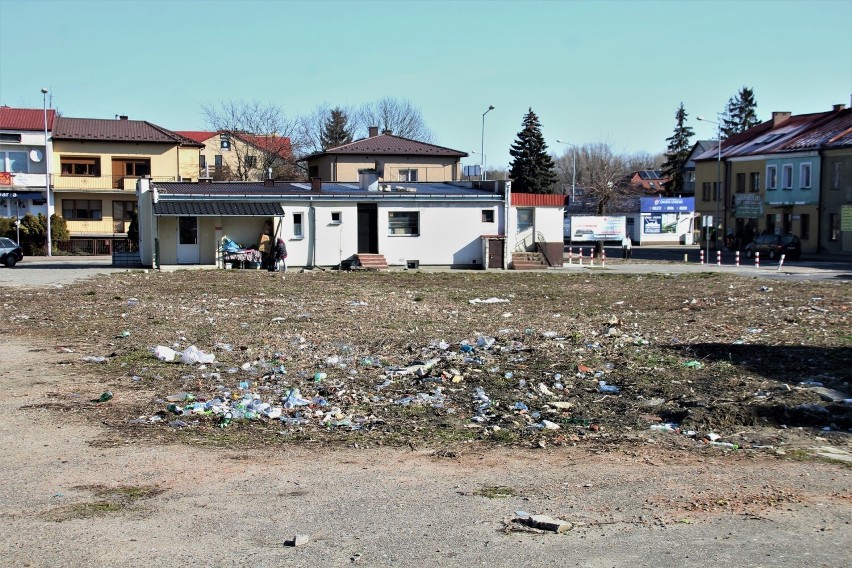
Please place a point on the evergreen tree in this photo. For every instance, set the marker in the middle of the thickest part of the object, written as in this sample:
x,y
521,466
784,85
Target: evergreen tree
x,y
532,170
677,153
335,130
740,114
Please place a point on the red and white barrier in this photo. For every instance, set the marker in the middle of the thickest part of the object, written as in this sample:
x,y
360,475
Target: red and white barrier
x,y
591,257
718,258
581,256
701,257
737,258
603,257
757,259
781,262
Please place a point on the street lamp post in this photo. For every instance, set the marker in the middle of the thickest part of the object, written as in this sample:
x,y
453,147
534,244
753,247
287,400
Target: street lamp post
x,y
718,184
573,168
47,172
482,144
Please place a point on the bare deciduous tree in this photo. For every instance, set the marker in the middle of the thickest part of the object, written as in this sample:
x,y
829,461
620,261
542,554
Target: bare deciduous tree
x,y
399,116
265,136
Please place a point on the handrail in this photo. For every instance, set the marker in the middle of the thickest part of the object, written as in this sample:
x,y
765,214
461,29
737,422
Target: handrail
x,y
541,246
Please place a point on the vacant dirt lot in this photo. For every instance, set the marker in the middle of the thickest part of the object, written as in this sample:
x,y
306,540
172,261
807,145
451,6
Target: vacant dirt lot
x,y
405,418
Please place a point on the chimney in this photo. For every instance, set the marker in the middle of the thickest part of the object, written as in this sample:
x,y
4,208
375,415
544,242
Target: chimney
x,y
374,131
316,184
368,180
779,117
123,117
268,182
388,132
838,108
205,180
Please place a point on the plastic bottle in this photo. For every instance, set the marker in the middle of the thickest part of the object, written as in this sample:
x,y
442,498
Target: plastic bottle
x,y
105,396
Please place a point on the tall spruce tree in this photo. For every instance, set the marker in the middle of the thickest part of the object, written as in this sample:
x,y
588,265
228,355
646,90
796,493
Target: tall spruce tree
x,y
335,130
532,170
677,153
740,114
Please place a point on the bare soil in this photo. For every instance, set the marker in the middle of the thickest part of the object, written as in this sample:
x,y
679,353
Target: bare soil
x,y
436,420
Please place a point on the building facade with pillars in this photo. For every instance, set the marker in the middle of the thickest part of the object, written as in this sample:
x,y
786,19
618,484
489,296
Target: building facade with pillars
x,y
95,166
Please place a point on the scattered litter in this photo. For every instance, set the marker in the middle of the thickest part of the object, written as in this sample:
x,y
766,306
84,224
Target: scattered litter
x,y
488,301
545,523
94,359
297,540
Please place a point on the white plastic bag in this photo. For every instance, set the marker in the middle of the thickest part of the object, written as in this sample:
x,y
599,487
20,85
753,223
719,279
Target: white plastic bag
x,y
164,353
193,354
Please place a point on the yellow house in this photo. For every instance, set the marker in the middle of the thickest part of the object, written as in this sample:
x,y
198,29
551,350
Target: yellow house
x,y
242,157
394,159
95,164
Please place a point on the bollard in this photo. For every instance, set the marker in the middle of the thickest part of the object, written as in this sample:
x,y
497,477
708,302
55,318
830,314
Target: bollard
x,y
718,258
781,262
581,256
603,258
757,259
591,257
701,257
737,258
570,255
686,257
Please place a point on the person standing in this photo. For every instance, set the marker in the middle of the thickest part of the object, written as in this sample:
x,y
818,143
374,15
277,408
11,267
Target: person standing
x,y
280,256
626,247
265,247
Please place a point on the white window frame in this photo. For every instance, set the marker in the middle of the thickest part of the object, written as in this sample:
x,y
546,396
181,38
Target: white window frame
x,y
805,175
787,176
408,174
6,162
298,226
771,177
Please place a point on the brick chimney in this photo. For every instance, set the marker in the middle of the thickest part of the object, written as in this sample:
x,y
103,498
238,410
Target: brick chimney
x,y
374,131
123,117
779,117
838,108
316,184
388,132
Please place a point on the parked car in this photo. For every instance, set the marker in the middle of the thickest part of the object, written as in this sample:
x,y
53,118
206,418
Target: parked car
x,y
10,252
773,246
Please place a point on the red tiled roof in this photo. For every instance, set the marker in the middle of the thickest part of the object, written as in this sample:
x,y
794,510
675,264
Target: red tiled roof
x,y
116,131
388,144
537,200
835,133
274,144
197,135
25,118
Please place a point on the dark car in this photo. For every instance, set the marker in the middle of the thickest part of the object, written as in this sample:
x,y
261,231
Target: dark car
x,y
773,246
10,252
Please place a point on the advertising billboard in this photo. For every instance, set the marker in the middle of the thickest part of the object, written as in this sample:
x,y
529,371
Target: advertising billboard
x,y
597,228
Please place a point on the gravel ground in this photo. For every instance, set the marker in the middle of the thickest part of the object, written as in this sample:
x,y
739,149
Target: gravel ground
x,y
86,486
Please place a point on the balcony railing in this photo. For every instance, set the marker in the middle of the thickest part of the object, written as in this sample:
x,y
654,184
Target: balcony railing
x,y
100,183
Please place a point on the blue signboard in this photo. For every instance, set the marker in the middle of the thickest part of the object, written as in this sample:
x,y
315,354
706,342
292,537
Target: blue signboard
x,y
668,204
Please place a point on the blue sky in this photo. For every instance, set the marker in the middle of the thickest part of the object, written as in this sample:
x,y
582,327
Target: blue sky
x,y
603,71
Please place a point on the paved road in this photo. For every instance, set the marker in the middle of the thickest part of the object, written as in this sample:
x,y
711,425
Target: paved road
x,y
62,270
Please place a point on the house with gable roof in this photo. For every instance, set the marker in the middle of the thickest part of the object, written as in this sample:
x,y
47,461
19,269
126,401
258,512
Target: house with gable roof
x,y
393,158
95,166
238,156
23,160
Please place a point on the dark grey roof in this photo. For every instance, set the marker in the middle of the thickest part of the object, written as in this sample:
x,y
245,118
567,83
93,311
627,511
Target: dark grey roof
x,y
255,190
217,208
